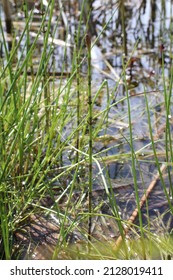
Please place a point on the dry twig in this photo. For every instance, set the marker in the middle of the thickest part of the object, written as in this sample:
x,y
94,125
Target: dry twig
x,y
135,212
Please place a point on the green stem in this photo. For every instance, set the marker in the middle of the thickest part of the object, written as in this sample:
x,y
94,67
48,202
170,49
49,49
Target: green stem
x,y
88,44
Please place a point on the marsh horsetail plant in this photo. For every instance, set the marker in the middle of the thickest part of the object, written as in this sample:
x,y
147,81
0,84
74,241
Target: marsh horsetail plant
x,y
88,44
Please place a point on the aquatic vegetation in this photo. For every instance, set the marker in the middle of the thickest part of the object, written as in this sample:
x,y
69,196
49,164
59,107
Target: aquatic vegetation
x,y
86,132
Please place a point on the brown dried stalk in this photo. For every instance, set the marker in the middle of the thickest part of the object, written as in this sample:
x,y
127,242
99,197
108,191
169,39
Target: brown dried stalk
x,y
135,212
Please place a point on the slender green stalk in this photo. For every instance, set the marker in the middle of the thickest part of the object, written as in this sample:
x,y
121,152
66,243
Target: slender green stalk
x,y
90,152
78,92
168,136
134,159
78,49
124,36
21,135
46,32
